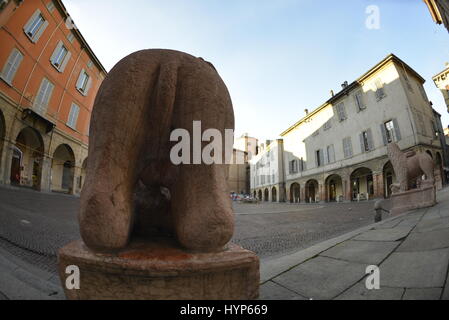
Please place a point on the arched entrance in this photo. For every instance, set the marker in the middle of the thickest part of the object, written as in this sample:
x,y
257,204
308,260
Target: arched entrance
x,y
295,193
429,153
274,196
362,184
311,191
27,157
63,169
266,195
389,178
255,195
334,188
260,195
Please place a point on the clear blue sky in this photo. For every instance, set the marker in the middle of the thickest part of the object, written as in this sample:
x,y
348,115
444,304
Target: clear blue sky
x,y
277,57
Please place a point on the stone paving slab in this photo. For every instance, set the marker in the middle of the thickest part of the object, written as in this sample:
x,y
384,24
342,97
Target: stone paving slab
x,y
431,225
273,291
422,294
322,277
433,213
360,292
423,269
365,252
422,241
393,234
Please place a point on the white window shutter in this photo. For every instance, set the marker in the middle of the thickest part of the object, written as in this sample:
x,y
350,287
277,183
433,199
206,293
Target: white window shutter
x,y
397,130
362,143
12,65
47,96
66,60
80,79
89,84
40,32
30,21
55,53
40,95
370,139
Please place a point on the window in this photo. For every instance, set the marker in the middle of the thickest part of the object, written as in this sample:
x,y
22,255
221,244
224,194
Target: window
x,y
90,64
330,154
380,91
43,96
341,111
73,116
70,37
36,26
60,57
359,101
423,93
293,166
303,164
328,124
50,6
11,66
421,125
390,131
83,83
366,141
347,147
319,157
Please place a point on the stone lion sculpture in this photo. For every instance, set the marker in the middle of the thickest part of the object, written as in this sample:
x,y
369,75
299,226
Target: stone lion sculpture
x,y
132,189
408,167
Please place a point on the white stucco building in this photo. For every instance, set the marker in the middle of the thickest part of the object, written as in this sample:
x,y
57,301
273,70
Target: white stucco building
x,y
338,152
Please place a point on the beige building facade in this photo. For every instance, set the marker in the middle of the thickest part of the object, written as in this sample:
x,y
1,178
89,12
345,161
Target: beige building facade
x,y
338,152
441,81
267,177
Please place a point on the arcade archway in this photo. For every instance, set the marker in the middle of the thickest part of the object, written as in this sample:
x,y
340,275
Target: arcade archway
x,y
311,191
27,157
334,188
63,169
295,190
362,184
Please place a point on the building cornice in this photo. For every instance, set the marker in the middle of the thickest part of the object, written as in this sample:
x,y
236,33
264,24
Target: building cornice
x,y
355,84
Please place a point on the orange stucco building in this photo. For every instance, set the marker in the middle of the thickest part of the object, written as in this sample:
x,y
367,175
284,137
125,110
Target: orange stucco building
x,y
49,77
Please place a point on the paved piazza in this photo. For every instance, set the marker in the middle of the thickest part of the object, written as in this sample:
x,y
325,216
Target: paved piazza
x,y
34,225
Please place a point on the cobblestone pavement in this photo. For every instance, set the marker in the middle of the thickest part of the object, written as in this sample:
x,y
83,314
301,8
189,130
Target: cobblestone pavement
x,y
34,225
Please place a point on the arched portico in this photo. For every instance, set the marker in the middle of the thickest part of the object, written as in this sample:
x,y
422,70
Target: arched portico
x,y
63,169
312,191
295,193
274,197
334,188
389,178
362,184
27,158
266,195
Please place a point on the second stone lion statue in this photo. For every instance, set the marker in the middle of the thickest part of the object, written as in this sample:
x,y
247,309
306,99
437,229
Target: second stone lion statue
x,y
409,167
132,188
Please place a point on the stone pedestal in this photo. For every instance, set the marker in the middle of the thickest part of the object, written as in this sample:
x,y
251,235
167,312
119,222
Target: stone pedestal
x,y
160,270
413,199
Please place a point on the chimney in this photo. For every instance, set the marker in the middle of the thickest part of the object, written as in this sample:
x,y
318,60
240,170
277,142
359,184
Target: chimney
x,y
332,93
306,111
344,85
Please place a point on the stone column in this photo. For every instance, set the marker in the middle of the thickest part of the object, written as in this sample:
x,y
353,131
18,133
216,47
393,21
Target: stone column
x,y
378,184
6,162
302,193
45,183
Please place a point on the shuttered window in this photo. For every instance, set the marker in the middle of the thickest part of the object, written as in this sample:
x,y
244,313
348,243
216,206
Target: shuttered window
x,y
380,91
341,111
366,141
43,96
330,154
319,158
11,66
359,101
60,57
84,83
35,26
347,147
73,116
390,131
